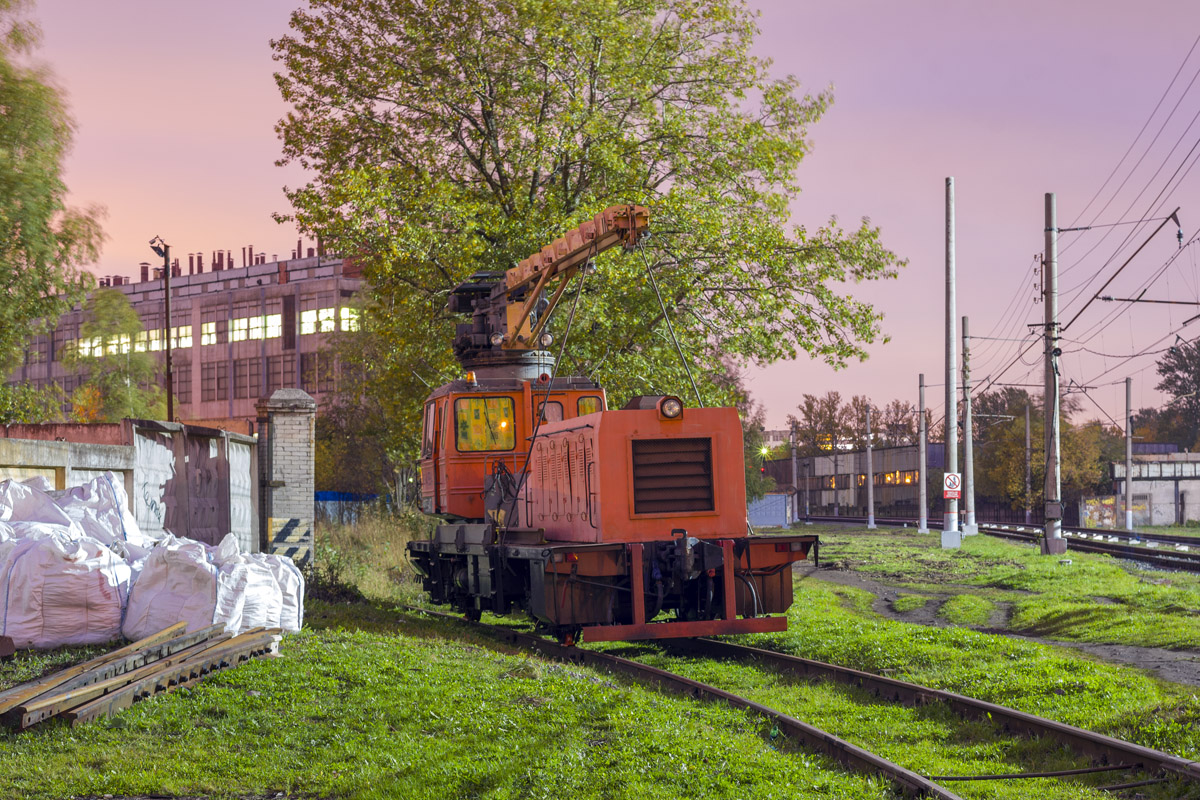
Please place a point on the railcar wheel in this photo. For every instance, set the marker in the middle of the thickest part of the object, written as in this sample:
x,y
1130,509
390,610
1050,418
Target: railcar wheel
x,y
472,614
567,637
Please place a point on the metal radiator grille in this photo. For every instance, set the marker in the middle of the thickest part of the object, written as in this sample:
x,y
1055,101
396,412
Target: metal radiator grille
x,y
672,475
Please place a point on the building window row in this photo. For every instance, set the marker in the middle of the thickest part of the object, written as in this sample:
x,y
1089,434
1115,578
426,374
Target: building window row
x,y
212,331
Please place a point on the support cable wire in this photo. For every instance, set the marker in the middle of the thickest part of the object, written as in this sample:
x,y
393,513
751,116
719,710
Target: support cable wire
x,y
1147,351
670,327
1141,289
539,409
1138,164
1090,333
1165,190
1145,125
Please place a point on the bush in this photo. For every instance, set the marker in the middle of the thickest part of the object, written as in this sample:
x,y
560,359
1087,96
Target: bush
x,y
366,559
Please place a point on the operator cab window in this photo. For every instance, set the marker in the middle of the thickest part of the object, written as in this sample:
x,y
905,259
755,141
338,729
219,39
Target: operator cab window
x,y
484,423
589,405
427,438
552,411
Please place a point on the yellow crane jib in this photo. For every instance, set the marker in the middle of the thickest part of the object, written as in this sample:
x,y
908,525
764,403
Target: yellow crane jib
x,y
509,310
560,260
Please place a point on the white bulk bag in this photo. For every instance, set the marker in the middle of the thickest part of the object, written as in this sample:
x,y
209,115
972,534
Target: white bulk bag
x,y
183,580
29,510
101,509
176,583
61,590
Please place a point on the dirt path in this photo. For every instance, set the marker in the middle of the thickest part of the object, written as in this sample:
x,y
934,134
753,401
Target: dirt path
x,y
1178,666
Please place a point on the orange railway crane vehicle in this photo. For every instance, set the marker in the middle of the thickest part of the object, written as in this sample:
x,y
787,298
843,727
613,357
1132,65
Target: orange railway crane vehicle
x,y
592,521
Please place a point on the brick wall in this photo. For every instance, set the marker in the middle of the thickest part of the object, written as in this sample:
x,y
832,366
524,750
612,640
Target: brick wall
x,y
287,422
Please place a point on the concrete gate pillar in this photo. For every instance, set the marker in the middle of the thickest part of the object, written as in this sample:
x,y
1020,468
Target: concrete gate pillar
x,y
286,429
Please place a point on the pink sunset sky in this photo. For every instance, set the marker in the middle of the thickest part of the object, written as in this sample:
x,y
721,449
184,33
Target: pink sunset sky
x,y
175,105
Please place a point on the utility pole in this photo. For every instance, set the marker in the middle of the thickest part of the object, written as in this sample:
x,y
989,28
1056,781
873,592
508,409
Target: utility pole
x,y
870,477
808,470
969,527
795,476
836,504
1028,471
923,502
163,249
1129,454
1052,542
951,537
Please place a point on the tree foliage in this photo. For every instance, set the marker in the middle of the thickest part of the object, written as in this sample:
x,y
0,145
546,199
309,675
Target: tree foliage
x,y
825,421
1180,372
1086,449
42,242
119,380
453,137
24,403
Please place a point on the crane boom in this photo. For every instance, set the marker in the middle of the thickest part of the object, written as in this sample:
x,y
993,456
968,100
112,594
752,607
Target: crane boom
x,y
509,310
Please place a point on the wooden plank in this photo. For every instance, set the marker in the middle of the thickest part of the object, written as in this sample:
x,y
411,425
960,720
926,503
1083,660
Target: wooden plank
x,y
147,655
49,705
186,673
13,697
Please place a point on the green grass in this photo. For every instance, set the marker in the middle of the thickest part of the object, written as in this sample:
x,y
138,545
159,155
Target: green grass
x,y
376,704
370,702
1191,529
930,740
1092,598
827,623
967,609
909,602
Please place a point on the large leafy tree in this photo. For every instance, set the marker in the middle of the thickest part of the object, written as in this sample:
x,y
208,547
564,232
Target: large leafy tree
x,y
121,376
1086,449
452,137
1179,369
42,241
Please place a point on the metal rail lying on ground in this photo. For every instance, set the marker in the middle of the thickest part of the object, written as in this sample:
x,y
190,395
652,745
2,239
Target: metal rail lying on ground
x,y
167,660
811,737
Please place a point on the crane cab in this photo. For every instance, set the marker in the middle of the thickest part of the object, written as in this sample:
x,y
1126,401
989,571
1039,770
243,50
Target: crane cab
x,y
471,428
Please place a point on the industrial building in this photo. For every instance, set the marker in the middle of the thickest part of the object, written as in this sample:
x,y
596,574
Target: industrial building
x,y
1165,491
836,482
237,334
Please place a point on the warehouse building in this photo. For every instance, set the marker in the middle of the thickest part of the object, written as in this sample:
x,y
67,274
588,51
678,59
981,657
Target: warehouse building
x,y
237,334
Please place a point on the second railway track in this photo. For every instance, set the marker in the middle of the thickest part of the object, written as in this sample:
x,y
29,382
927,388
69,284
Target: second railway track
x,y
1140,765
1159,550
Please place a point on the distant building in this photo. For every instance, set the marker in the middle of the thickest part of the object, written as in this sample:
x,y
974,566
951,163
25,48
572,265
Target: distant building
x,y
237,334
1166,488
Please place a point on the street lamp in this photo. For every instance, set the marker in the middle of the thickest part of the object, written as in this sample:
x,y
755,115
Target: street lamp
x,y
163,249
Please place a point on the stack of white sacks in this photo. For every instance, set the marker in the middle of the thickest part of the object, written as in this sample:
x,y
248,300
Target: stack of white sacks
x,y
76,569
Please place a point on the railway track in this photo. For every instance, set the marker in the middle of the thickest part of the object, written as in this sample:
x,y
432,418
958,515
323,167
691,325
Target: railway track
x,y
1160,550
1107,755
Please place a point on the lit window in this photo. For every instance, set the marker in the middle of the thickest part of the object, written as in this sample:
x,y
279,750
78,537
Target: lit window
x,y
208,333
484,423
257,324
328,322
154,337
274,326
139,343
239,329
181,337
349,319
308,321
588,405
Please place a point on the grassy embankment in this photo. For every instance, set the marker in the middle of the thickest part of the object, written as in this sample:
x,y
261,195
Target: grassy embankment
x,y
997,584
371,702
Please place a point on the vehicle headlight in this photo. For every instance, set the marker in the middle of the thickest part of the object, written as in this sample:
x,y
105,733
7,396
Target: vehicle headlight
x,y
671,407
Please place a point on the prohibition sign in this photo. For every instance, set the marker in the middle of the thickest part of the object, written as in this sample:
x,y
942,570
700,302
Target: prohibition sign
x,y
951,484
